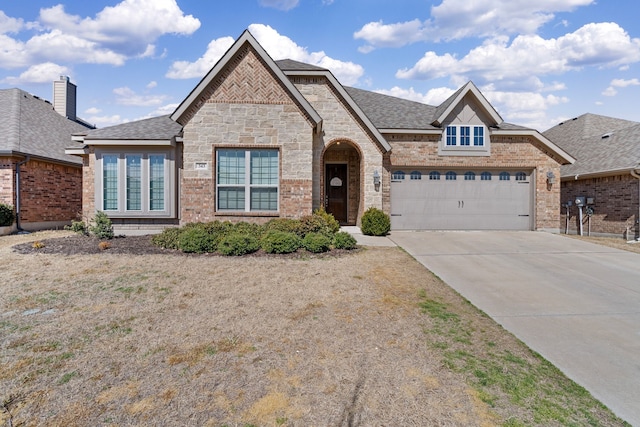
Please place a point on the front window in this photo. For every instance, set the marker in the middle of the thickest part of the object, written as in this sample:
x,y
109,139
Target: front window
x,y
451,136
247,180
465,140
465,137
133,183
478,136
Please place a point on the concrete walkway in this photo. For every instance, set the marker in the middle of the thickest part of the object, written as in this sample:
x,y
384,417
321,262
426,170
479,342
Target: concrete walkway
x,y
575,303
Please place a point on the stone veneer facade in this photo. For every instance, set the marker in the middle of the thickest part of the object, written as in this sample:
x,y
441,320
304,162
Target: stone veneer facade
x,y
615,209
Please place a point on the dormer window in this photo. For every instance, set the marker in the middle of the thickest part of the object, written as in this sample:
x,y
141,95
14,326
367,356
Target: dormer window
x,y
465,140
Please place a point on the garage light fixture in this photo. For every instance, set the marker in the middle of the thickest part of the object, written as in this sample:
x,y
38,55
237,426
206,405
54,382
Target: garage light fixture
x,y
376,179
551,178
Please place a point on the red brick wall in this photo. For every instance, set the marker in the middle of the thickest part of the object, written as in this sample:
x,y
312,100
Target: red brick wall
x,y
615,208
48,191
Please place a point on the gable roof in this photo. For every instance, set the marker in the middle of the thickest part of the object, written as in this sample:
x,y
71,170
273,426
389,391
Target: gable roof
x,y
450,103
30,126
602,145
197,94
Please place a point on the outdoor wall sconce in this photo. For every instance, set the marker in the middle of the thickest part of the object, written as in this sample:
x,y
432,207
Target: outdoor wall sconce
x,y
551,178
376,179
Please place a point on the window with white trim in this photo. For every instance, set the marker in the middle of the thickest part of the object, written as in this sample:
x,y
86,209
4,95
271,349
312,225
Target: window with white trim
x,y
133,184
458,135
434,175
416,175
398,175
247,180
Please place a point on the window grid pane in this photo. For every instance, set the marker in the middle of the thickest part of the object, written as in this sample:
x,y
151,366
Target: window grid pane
x,y
264,199
451,176
469,176
134,183
264,167
505,176
465,133
478,136
485,176
434,175
231,198
416,175
110,183
231,167
398,175
451,135
156,182
521,176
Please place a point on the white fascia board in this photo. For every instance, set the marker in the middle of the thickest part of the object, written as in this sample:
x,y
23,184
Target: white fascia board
x,y
76,151
598,174
336,84
136,142
471,87
534,133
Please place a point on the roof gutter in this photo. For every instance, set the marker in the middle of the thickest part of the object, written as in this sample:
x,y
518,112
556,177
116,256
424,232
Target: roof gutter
x,y
27,158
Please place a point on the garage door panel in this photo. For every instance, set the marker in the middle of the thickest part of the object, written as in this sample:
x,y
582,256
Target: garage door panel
x,y
461,204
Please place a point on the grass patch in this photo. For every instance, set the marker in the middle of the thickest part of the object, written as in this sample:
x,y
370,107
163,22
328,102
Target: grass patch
x,y
503,377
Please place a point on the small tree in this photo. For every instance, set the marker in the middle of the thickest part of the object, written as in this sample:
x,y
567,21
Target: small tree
x,y
101,226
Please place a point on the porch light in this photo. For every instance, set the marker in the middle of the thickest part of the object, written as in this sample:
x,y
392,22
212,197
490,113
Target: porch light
x,y
376,179
551,178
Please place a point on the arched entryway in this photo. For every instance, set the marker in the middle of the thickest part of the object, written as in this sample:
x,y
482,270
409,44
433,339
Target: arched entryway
x,y
341,171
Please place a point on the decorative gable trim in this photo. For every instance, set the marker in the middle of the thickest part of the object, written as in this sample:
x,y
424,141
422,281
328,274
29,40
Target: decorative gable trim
x,y
199,95
565,158
450,104
335,84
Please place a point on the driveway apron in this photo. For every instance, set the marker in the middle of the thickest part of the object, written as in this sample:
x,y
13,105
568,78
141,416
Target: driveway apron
x,y
575,303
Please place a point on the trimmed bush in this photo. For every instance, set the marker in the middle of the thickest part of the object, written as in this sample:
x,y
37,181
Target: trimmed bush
x,y
316,242
7,216
197,240
238,244
280,242
344,240
286,225
168,239
101,226
332,224
77,227
375,222
255,230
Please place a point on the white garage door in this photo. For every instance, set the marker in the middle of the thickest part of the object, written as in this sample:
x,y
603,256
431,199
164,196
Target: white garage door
x,y
461,200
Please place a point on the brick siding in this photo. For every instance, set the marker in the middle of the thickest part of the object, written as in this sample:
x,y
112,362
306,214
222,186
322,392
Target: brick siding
x,y
49,192
615,208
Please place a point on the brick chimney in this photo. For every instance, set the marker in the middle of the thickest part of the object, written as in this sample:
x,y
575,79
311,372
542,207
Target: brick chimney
x,y
64,97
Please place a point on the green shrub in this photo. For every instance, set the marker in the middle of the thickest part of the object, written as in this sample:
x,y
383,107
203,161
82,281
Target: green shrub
x,y
286,225
101,226
316,242
6,215
238,244
168,239
280,242
196,240
332,224
344,240
79,227
375,222
255,230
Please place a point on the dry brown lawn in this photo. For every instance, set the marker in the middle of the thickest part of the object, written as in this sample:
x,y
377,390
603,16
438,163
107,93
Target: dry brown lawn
x,y
164,340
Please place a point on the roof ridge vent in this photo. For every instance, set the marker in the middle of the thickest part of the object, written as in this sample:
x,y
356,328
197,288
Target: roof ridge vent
x,y
606,135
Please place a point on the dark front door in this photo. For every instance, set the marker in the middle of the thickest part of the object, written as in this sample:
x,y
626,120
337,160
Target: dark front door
x,y
336,191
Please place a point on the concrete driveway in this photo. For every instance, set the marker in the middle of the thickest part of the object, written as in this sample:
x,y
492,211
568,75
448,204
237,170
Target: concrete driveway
x,y
575,303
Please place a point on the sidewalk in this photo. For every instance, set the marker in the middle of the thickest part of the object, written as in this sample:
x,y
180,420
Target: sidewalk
x,y
367,240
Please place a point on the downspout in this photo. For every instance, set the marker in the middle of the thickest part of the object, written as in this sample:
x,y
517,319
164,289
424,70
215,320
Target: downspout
x,y
18,191
636,174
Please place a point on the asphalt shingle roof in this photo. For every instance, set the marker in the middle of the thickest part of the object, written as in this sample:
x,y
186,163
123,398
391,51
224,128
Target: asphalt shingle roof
x,y
291,65
155,128
31,126
599,144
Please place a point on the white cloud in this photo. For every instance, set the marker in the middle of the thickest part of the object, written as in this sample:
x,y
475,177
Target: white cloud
x,y
93,111
529,56
152,84
10,25
126,96
104,121
40,73
277,46
127,28
279,4
117,33
434,96
457,19
197,69
611,90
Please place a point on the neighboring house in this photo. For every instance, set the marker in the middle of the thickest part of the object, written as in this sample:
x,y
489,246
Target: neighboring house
x,y
258,139
36,176
606,174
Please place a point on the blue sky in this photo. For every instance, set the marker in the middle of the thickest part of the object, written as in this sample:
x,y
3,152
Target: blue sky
x,y
538,62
